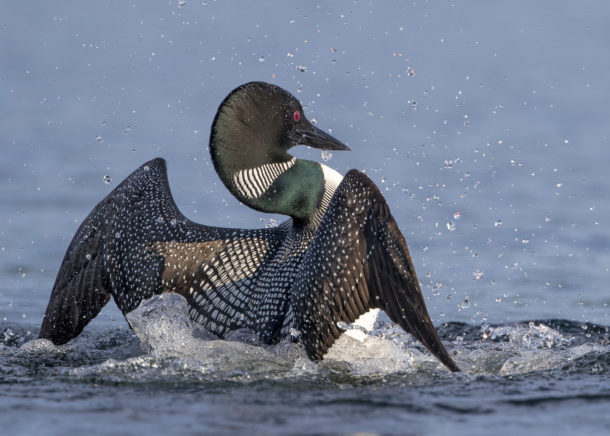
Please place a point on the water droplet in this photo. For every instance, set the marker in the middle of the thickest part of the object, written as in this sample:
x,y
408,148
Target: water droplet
x,y
181,3
457,215
465,304
146,168
342,325
525,241
326,155
477,274
498,223
261,59
107,179
173,221
410,71
88,256
301,68
99,139
290,54
547,219
451,226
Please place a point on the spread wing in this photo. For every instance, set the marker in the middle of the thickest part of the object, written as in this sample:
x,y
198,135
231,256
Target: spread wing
x,y
357,261
81,288
135,243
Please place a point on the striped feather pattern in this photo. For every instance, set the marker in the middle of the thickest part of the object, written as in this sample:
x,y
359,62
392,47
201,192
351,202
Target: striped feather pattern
x,y
252,183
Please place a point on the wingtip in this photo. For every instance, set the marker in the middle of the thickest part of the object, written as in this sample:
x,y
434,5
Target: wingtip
x,y
427,335
450,364
157,162
436,347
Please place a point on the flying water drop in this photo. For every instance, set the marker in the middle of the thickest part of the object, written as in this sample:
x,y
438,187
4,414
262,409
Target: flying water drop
x,y
465,304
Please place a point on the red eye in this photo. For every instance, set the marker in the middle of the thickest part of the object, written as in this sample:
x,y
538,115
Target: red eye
x,y
296,115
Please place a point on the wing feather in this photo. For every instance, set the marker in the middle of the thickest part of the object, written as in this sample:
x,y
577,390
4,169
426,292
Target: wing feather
x,y
357,261
136,243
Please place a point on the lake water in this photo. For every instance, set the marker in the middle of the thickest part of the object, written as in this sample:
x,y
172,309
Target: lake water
x,y
486,127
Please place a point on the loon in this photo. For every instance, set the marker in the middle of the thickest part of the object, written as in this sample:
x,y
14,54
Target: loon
x,y
339,255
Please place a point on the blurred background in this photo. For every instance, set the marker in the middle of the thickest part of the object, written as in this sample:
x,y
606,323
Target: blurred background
x,y
485,124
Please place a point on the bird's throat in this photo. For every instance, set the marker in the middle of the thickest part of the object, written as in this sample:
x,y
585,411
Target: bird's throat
x,y
295,187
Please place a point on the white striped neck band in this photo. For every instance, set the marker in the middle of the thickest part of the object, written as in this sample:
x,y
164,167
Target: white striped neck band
x,y
252,183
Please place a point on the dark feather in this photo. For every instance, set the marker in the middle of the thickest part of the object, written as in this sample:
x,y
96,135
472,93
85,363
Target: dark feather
x,y
359,260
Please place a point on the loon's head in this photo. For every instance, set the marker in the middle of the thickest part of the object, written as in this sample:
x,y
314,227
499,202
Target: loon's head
x,y
253,129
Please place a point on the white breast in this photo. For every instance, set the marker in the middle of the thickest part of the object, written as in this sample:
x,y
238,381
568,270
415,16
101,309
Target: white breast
x,y
332,180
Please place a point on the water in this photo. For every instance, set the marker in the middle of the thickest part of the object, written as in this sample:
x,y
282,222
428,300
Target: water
x,y
484,125
515,375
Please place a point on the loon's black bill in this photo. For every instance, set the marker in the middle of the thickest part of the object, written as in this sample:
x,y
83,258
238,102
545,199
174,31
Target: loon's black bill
x,y
317,138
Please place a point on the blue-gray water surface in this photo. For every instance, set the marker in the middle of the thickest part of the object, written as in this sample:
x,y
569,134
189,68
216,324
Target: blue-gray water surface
x,y
485,125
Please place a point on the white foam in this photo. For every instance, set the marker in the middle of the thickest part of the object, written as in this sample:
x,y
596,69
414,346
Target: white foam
x,y
369,348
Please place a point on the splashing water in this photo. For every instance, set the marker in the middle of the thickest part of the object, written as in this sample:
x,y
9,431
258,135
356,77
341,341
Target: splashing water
x,y
170,345
326,155
167,357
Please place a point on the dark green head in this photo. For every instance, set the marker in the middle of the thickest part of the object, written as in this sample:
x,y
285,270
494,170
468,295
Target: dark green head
x,y
253,129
